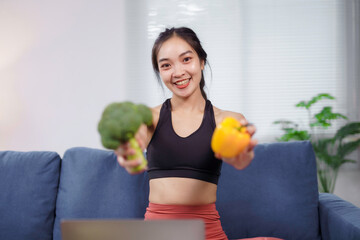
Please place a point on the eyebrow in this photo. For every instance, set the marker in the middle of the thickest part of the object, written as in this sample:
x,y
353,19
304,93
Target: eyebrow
x,y
184,53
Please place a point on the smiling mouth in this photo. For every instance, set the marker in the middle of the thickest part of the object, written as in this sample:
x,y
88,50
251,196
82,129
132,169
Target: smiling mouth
x,y
182,82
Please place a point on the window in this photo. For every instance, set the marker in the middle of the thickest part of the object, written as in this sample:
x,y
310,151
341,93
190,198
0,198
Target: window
x,y
265,56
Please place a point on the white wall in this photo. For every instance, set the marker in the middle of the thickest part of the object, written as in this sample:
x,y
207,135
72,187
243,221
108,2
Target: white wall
x,y
61,62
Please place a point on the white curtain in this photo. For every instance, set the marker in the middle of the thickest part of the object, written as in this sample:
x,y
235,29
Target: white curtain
x,y
265,56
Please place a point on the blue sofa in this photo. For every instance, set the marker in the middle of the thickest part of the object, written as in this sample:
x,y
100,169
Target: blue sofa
x,y
276,195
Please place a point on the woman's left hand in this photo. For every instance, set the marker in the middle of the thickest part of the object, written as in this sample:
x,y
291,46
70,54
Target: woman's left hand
x,y
242,160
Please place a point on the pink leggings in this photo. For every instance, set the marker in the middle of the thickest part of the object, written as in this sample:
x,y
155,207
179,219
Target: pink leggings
x,y
207,213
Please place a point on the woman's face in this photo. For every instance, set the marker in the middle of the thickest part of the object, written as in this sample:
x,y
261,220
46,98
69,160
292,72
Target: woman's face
x,y
179,67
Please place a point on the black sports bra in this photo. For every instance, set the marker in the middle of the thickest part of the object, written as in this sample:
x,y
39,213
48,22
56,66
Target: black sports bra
x,y
170,155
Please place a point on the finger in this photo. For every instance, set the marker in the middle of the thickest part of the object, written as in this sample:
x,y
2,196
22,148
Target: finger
x,y
120,150
128,163
121,160
251,154
248,148
129,151
131,163
251,129
252,144
229,160
126,145
140,142
243,122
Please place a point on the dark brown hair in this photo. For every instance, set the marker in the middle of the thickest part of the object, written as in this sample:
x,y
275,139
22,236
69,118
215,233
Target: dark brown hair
x,y
190,37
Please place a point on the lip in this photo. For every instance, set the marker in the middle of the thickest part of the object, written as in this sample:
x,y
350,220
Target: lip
x,y
183,86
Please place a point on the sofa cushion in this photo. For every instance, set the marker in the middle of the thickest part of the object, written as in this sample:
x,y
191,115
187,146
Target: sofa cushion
x,y
93,185
339,219
28,186
276,195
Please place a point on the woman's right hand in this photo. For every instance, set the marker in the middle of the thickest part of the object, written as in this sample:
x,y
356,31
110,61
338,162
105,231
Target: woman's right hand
x,y
124,151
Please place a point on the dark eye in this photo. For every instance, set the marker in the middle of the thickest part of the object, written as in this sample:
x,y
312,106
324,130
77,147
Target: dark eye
x,y
165,65
187,59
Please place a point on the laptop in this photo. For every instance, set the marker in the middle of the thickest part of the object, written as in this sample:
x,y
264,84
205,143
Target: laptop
x,y
132,229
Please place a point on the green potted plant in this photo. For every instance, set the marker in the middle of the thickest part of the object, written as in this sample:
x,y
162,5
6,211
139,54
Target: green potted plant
x,y
331,152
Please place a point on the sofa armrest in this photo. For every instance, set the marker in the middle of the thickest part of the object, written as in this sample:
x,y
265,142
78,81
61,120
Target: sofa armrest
x,y
339,219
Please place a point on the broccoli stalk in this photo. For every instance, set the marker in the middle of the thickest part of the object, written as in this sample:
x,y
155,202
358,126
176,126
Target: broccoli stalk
x,y
119,124
138,155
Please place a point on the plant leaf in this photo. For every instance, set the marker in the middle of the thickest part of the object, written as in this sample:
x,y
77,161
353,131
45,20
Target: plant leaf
x,y
348,161
324,181
348,148
323,118
302,104
320,124
315,99
295,135
321,96
349,129
336,162
322,144
286,124
282,122
332,161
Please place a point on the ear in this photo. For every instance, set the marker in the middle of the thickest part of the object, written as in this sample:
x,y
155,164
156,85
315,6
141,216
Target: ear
x,y
202,64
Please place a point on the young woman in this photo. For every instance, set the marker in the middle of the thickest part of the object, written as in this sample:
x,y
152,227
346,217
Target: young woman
x,y
183,170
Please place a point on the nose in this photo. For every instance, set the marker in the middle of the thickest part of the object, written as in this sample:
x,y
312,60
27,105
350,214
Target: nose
x,y
178,71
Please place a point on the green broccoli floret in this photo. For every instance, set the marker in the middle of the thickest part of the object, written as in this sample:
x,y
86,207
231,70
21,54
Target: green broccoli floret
x,y
119,124
145,113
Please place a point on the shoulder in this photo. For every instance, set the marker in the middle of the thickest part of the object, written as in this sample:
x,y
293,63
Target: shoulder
x,y
156,114
151,129
221,114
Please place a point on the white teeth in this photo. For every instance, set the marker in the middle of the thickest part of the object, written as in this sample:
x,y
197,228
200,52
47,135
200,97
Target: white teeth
x,y
182,82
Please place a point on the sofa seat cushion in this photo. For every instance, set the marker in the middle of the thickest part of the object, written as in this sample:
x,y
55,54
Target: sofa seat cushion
x,y
28,186
93,185
275,196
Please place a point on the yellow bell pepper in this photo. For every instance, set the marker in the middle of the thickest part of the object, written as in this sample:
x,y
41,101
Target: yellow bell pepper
x,y
230,138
